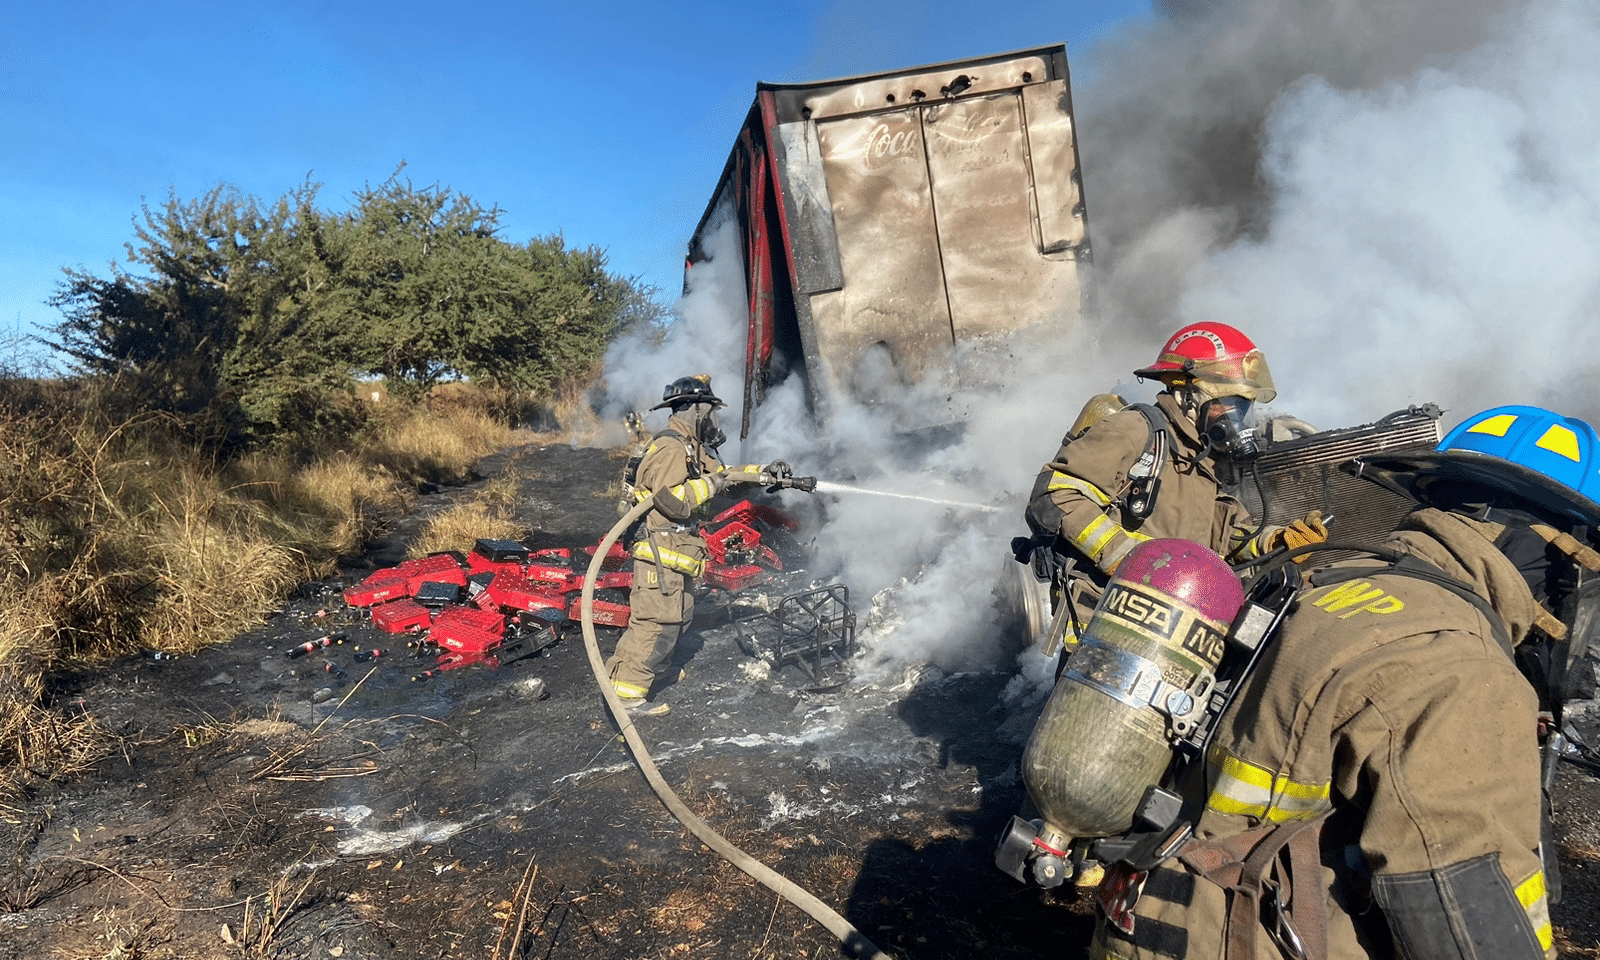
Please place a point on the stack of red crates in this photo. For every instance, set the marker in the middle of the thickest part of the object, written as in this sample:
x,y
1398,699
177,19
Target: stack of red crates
x,y
468,630
401,616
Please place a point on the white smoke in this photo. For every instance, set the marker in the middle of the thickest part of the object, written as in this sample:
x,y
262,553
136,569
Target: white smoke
x,y
1398,202
707,336
941,560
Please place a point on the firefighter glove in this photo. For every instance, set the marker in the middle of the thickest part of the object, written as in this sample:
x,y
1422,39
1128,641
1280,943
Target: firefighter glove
x,y
778,470
1301,533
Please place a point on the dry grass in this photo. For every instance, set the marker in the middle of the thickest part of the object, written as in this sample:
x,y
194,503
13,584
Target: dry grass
x,y
489,515
1566,948
332,504
122,936
436,445
120,536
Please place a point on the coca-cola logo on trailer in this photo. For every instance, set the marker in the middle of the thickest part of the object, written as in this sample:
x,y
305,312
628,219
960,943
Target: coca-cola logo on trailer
x,y
884,146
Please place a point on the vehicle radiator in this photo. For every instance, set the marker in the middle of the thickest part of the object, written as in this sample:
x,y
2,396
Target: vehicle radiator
x,y
1295,476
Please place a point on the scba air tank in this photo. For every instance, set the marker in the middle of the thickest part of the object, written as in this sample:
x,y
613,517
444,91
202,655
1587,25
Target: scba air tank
x,y
1142,672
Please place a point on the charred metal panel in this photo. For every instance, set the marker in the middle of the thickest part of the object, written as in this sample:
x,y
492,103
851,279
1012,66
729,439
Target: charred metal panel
x,y
976,77
929,226
999,283
1299,475
813,239
889,325
1057,184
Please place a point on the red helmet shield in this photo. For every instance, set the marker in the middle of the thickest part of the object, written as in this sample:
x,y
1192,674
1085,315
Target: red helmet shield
x,y
1218,359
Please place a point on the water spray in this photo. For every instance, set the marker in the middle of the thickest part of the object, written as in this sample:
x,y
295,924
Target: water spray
x,y
828,486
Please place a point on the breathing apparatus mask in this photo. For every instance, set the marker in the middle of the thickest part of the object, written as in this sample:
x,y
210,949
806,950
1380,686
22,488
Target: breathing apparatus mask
x,y
703,417
1224,423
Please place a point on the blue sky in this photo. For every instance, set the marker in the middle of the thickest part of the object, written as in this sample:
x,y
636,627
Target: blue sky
x,y
606,122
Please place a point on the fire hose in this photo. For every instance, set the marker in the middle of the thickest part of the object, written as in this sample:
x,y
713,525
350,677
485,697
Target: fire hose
x,y
854,942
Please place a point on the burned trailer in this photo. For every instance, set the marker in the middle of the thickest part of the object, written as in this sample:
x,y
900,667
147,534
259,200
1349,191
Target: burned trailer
x,y
907,229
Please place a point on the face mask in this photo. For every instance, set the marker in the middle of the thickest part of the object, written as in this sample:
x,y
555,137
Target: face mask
x,y
710,434
706,430
1224,422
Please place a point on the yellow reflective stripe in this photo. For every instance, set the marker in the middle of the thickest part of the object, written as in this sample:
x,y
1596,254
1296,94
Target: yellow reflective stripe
x,y
1347,594
1245,789
1535,900
1062,481
1095,537
628,691
671,559
642,495
1245,546
701,490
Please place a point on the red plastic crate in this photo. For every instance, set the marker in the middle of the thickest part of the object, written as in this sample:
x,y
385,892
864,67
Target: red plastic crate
x,y
468,630
453,574
401,616
614,580
617,580
607,613
558,577
432,563
733,536
478,563
366,594
747,512
519,593
478,618
732,576
616,558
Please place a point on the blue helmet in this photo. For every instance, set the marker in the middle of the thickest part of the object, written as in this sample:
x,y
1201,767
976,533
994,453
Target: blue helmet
x,y
1548,460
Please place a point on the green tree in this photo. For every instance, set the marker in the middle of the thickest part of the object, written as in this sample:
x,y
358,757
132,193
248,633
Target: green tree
x,y
214,326
255,318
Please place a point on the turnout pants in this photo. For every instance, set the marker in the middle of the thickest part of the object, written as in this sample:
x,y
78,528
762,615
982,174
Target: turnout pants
x,y
660,605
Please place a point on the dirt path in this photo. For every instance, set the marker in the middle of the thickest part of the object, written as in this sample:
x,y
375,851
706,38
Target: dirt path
x,y
465,816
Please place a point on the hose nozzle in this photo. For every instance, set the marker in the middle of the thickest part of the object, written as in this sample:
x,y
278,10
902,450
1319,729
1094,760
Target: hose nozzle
x,y
805,484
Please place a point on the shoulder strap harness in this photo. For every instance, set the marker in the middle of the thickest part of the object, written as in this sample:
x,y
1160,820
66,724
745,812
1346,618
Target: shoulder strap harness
x,y
1144,477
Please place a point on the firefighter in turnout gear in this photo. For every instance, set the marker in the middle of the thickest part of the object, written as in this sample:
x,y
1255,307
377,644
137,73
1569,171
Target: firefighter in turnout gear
x,y
1374,789
1144,471
679,471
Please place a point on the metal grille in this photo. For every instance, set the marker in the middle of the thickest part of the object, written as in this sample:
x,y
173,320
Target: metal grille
x,y
1296,476
814,630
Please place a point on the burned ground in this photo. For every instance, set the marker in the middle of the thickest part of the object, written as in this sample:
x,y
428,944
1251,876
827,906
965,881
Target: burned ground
x,y
240,814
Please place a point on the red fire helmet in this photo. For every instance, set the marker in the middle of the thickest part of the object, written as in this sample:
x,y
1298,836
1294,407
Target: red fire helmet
x,y
1218,359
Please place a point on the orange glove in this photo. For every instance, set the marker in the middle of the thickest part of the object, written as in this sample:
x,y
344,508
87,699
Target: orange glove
x,y
1303,532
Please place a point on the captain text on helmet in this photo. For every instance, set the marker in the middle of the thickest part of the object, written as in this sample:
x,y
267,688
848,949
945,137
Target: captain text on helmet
x,y
1144,471
1374,788
679,471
